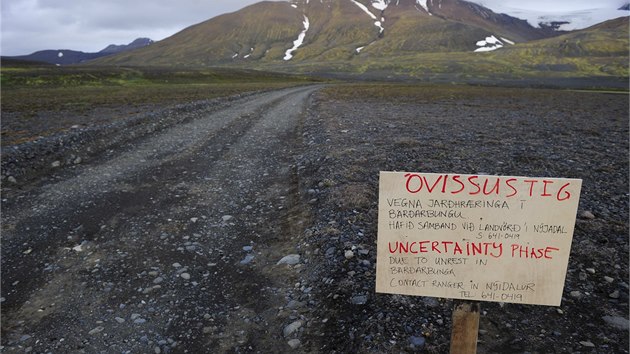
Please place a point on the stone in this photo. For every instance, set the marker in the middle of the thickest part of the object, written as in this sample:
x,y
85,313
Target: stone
x,y
12,179
617,322
119,319
417,342
56,163
587,215
96,330
227,218
349,254
185,276
576,294
587,343
248,248
614,294
430,301
294,304
158,280
291,259
294,343
247,259
608,279
359,299
291,328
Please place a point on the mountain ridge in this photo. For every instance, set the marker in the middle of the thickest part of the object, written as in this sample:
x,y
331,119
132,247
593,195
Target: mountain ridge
x,y
69,56
337,28
417,38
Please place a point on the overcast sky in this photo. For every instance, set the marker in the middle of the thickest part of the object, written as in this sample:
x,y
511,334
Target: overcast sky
x,y
91,25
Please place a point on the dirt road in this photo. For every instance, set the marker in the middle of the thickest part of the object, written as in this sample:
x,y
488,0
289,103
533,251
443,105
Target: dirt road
x,y
171,244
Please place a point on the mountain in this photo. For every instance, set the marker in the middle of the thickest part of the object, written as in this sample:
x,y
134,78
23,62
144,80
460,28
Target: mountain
x,y
606,39
58,57
69,57
391,37
137,43
333,29
546,17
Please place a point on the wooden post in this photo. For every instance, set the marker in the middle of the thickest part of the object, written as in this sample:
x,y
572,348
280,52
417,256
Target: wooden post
x,y
465,327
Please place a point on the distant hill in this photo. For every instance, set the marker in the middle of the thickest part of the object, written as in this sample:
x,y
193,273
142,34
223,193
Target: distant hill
x,y
138,43
69,57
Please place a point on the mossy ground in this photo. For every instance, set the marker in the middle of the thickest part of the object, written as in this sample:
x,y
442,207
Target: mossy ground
x,y
39,100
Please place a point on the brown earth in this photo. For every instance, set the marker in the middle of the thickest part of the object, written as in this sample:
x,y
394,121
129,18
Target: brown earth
x,y
168,240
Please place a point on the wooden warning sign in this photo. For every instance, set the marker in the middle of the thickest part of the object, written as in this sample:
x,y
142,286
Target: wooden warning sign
x,y
475,237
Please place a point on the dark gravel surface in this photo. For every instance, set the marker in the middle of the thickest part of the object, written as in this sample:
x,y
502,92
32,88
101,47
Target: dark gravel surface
x,y
352,134
167,236
78,138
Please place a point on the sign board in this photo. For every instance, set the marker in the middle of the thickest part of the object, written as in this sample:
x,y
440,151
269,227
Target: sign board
x,y
475,237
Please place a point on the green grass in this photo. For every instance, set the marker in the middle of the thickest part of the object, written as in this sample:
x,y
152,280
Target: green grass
x,y
44,88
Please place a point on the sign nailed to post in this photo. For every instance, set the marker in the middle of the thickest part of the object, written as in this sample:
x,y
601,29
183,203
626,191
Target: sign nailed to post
x,y
475,237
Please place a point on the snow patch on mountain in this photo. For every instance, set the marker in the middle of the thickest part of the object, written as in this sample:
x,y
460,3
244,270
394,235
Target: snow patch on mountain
x,y
424,5
576,19
491,43
565,21
298,42
251,50
377,23
365,9
507,41
380,4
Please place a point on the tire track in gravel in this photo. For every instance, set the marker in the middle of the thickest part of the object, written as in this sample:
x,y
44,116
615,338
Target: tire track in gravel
x,y
170,246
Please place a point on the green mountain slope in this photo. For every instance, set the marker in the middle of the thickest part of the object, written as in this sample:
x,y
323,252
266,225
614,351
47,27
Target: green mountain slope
x,y
406,37
337,28
598,50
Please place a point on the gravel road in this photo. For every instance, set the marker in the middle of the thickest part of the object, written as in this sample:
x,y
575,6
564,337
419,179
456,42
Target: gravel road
x,y
249,225
170,244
